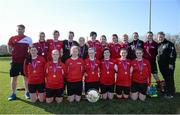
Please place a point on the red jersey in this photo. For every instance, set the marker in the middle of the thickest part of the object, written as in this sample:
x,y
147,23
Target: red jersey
x,y
115,50
141,71
150,50
55,75
92,70
97,46
19,45
42,48
107,72
123,76
74,70
34,70
53,45
103,46
127,46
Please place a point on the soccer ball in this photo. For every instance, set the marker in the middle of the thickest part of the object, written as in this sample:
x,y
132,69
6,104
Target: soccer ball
x,y
92,95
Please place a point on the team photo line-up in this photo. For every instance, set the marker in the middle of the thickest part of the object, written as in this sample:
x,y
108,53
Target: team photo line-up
x,y
122,69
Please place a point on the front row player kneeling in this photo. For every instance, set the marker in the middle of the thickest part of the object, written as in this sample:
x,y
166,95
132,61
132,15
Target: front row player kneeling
x,y
34,71
123,81
74,75
107,75
141,76
55,71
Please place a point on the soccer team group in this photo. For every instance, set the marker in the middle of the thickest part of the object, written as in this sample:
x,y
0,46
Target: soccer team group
x,y
53,67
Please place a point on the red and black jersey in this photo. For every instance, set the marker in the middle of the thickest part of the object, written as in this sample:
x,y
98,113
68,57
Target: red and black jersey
x,y
107,72
115,50
150,50
19,45
53,45
34,70
127,46
92,70
74,70
42,48
97,46
141,71
123,74
54,75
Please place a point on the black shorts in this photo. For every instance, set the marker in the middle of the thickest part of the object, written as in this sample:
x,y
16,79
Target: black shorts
x,y
33,88
106,88
120,89
153,67
54,92
74,88
139,87
91,85
16,69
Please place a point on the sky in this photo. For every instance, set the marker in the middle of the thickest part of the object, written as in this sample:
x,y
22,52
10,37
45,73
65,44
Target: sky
x,y
83,16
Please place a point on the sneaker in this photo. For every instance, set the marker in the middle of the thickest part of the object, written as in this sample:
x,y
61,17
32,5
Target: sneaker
x,y
168,96
12,97
27,95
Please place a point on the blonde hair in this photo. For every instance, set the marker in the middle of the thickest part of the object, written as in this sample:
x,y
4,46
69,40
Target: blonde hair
x,y
74,47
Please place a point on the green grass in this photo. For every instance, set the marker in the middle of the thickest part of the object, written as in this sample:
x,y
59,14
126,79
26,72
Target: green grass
x,y
23,106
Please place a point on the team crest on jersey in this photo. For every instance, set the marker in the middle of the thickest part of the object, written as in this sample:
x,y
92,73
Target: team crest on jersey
x,y
79,63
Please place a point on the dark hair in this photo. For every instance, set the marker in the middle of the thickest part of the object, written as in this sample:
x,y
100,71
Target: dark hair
x,y
93,33
115,35
105,49
136,33
161,33
41,33
103,36
150,32
56,31
71,32
21,26
29,57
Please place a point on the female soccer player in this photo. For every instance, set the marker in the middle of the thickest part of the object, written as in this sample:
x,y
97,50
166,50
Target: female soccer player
x,y
55,71
125,44
74,75
83,48
34,70
42,45
92,71
114,47
104,44
93,43
54,43
107,75
123,81
141,76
